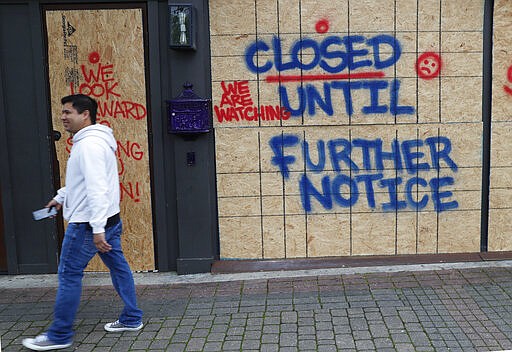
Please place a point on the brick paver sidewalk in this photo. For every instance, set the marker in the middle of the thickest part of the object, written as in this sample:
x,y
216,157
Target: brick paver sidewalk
x,y
443,310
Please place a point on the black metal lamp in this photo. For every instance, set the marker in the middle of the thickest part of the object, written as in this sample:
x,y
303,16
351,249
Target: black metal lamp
x,y
181,26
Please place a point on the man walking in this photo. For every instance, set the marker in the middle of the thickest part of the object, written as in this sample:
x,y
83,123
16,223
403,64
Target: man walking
x,y
90,202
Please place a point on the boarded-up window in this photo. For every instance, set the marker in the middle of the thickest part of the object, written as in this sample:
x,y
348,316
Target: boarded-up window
x,y
347,127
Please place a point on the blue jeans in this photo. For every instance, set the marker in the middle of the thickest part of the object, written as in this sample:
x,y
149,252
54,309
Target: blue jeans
x,y
77,250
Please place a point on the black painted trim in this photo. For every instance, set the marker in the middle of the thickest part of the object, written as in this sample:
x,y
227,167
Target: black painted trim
x,y
486,119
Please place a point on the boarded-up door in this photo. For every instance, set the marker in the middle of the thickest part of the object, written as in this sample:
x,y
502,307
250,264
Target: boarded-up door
x,y
100,53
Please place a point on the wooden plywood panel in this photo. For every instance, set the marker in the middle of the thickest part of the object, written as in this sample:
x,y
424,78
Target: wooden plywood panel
x,y
468,42
328,235
238,185
231,69
406,232
272,141
272,205
101,53
460,233
236,150
373,233
289,16
239,206
294,205
427,232
500,196
267,16
405,22
461,137
370,16
272,184
458,110
404,68
462,64
501,185
236,244
501,144
274,243
455,15
501,177
230,43
408,97
229,19
500,223
429,15
467,178
428,107
336,13
392,149
502,62
296,241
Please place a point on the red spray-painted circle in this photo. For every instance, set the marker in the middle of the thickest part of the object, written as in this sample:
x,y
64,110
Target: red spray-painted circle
x,y
94,57
428,65
322,26
507,89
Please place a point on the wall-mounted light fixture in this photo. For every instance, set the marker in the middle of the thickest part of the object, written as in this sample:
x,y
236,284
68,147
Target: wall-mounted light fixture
x,y
181,26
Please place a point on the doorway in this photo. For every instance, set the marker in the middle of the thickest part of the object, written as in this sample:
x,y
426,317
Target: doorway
x,y
101,52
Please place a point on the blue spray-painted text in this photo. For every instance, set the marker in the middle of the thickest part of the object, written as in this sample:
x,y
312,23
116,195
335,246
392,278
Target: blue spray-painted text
x,y
333,54
341,66
355,167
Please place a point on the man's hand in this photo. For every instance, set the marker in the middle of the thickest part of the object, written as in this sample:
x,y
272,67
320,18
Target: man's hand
x,y
53,203
101,244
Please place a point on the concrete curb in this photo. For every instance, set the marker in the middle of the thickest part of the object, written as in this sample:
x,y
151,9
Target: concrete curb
x,y
170,278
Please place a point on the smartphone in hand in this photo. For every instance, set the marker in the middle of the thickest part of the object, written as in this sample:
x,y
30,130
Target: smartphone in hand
x,y
44,213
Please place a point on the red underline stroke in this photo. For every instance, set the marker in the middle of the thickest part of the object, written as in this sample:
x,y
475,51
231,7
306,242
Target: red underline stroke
x,y
302,78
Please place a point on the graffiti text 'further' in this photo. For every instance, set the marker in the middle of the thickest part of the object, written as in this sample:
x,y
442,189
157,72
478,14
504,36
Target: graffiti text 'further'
x,y
350,168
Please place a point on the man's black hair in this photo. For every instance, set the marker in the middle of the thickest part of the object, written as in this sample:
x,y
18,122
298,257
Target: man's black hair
x,y
82,102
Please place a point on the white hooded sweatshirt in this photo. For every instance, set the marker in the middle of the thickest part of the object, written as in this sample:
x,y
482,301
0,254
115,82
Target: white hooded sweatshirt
x,y
92,191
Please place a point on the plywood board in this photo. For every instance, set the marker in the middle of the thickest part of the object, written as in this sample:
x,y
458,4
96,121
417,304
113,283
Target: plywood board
x,y
352,124
500,198
500,216
101,53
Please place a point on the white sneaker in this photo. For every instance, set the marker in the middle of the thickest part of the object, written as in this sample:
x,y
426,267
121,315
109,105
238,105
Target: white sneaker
x,y
43,343
117,326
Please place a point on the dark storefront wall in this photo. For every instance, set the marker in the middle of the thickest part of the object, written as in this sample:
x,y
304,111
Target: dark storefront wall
x,y
184,216
26,165
195,184
3,252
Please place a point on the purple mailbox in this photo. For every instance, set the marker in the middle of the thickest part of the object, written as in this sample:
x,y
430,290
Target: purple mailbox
x,y
189,113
